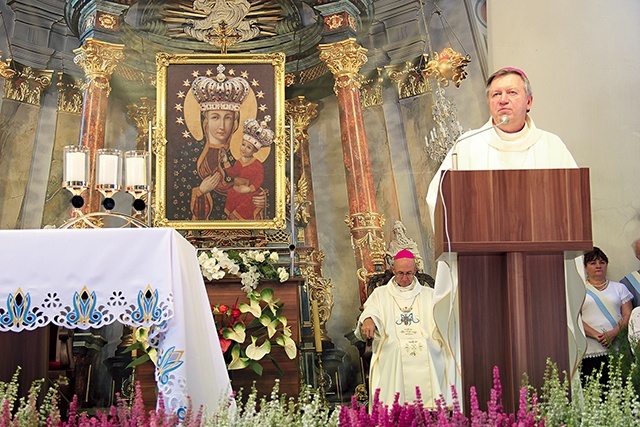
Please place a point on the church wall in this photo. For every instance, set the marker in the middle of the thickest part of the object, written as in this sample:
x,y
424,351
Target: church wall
x,y
17,137
57,207
582,61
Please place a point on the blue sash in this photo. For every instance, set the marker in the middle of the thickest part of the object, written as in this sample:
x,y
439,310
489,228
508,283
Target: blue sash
x,y
634,280
606,311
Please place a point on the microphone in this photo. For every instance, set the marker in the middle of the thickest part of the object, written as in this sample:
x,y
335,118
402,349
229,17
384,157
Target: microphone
x,y
454,154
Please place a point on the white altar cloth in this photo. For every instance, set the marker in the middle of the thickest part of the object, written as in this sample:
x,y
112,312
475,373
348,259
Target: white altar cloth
x,y
87,278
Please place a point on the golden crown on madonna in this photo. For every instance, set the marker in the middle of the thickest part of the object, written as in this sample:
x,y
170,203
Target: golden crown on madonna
x,y
219,93
258,133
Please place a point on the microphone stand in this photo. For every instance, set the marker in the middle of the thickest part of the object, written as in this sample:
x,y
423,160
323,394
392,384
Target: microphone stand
x,y
454,153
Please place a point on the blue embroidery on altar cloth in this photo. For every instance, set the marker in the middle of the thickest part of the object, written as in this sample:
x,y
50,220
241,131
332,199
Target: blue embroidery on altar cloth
x,y
84,308
169,361
147,306
18,311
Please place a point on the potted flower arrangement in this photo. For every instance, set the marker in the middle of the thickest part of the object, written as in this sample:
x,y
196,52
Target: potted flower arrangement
x,y
248,329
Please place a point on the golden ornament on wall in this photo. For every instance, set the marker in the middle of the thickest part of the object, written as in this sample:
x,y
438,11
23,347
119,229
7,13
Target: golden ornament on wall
x,y
447,66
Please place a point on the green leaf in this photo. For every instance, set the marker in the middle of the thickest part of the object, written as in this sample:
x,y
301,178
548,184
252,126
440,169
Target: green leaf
x,y
139,360
134,346
256,367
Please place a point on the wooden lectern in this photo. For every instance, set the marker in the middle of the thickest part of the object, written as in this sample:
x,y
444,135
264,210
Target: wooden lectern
x,y
511,230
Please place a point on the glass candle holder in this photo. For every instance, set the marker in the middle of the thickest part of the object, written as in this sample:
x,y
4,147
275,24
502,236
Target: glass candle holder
x,y
136,169
108,174
75,170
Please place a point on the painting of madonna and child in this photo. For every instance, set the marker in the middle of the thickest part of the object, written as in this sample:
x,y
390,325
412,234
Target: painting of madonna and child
x,y
223,164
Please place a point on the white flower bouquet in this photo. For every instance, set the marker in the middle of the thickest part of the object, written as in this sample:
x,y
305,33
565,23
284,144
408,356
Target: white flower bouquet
x,y
251,266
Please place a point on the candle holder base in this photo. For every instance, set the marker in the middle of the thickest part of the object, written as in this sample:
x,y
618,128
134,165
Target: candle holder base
x,y
108,204
322,384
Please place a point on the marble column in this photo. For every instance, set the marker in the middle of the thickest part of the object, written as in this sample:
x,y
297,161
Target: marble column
x,y
344,59
98,59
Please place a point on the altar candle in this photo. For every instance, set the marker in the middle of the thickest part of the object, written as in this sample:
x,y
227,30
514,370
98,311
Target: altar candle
x,y
135,169
75,167
108,170
317,333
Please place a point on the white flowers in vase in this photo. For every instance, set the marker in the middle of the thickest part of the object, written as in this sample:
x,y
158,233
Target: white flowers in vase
x,y
250,266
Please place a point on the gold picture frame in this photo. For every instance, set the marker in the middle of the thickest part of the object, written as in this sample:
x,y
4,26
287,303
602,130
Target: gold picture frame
x,y
215,165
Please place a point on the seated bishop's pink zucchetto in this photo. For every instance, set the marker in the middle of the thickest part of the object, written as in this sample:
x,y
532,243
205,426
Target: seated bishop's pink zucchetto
x,y
404,253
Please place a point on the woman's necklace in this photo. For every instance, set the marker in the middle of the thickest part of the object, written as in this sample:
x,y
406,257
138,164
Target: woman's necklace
x,y
600,287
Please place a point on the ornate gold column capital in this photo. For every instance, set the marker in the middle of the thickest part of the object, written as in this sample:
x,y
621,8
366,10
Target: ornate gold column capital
x,y
27,84
344,59
301,111
408,80
140,114
98,59
69,94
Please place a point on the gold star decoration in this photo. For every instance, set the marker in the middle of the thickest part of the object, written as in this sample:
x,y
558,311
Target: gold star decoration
x,y
178,107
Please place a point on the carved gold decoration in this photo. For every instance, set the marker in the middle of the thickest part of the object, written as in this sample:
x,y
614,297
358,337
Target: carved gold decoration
x,y
318,288
344,59
302,112
225,23
447,66
289,79
352,22
366,231
302,205
27,84
408,80
5,69
333,22
107,20
371,90
98,59
69,94
141,114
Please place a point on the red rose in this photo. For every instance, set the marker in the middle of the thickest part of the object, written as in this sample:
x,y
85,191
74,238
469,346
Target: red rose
x,y
235,314
223,308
